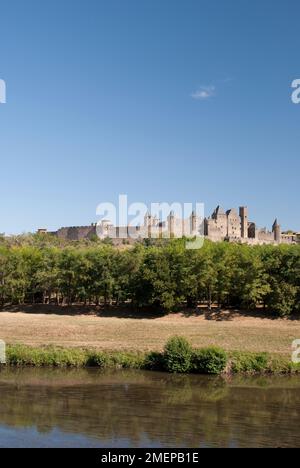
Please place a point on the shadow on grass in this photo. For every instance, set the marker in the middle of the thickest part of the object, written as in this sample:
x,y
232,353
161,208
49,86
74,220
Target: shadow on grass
x,y
125,312
132,312
229,315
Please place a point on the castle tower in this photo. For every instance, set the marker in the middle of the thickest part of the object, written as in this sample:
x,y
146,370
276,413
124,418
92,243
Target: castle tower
x,y
193,223
276,229
148,224
233,224
244,221
171,224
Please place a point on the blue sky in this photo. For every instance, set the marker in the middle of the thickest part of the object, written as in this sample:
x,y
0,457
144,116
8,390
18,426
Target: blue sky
x,y
162,100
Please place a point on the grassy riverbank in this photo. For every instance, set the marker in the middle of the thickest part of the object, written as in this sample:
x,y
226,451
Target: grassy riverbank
x,y
43,336
177,357
130,331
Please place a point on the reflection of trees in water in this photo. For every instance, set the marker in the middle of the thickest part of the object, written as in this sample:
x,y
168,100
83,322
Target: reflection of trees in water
x,y
173,410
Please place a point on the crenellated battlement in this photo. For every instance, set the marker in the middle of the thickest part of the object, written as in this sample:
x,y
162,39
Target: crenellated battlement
x,y
230,226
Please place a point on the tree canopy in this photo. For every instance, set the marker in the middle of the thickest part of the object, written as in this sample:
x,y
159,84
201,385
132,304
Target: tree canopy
x,y
164,274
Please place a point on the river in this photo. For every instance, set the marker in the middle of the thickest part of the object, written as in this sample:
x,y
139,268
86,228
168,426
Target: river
x,y
90,408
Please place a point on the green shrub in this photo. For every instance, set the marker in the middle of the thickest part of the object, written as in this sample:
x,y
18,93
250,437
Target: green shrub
x,y
178,355
97,359
65,357
209,361
249,362
126,360
294,368
154,361
19,355
280,365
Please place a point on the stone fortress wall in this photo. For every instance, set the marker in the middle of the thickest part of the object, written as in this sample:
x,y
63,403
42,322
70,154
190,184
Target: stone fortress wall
x,y
235,227
230,226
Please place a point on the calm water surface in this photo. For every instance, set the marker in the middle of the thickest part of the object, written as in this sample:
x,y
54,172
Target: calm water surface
x,y
87,408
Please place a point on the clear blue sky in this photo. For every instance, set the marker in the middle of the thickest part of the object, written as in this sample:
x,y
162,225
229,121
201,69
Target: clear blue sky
x,y
164,100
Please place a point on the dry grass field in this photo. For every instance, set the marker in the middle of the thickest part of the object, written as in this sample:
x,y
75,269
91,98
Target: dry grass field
x,y
123,331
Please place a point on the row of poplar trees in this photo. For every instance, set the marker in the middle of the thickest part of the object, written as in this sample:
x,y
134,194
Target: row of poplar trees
x,y
164,275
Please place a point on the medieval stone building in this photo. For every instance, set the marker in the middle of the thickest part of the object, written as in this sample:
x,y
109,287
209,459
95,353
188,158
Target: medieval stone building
x,y
230,226
236,227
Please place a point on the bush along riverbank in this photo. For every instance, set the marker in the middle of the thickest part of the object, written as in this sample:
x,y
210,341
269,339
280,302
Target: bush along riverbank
x,y
178,357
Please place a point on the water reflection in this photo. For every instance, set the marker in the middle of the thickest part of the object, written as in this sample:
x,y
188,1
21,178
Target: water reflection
x,y
90,408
